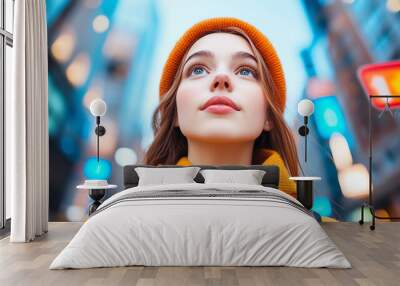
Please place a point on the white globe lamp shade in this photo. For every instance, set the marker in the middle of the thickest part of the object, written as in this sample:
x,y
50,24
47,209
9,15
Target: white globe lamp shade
x,y
305,107
98,107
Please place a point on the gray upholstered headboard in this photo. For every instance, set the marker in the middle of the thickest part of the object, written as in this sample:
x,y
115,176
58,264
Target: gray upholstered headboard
x,y
270,179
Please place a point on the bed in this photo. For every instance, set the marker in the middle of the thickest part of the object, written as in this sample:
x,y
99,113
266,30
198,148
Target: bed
x,y
201,224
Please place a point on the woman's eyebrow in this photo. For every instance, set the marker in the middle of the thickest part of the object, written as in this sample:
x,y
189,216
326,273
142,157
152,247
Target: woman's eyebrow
x,y
209,54
244,55
200,54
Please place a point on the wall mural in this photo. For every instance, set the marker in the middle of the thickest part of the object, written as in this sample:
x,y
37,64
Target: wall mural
x,y
220,106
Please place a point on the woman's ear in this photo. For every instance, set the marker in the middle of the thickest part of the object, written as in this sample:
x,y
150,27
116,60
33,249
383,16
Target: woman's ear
x,y
267,125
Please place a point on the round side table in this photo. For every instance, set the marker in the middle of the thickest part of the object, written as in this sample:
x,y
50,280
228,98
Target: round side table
x,y
96,193
304,187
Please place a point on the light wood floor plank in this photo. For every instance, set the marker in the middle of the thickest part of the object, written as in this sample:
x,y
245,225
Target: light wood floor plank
x,y
375,257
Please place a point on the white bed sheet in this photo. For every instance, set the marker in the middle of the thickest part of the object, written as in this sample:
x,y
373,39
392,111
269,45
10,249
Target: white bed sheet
x,y
200,231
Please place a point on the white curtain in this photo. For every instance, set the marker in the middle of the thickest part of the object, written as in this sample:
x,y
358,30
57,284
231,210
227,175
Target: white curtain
x,y
27,158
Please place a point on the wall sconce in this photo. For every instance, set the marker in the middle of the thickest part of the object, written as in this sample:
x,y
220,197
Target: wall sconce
x,y
98,108
305,108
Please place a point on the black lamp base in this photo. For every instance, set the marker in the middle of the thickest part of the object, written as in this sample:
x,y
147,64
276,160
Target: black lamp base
x,y
96,195
305,193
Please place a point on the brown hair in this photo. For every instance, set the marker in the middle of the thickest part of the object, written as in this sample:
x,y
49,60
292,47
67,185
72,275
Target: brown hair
x,y
169,144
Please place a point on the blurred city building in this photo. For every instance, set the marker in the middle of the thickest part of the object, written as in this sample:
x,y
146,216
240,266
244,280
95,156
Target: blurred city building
x,y
96,50
347,35
105,49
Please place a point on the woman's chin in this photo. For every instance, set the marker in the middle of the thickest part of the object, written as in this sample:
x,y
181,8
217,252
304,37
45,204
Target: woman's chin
x,y
222,136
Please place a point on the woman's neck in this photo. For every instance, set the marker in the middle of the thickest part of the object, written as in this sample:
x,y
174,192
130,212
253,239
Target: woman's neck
x,y
205,153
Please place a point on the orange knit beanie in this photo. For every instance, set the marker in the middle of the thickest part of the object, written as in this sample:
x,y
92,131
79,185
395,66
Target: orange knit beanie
x,y
202,28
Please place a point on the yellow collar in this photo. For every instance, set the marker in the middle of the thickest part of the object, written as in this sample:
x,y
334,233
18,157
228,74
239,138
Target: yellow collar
x,y
261,157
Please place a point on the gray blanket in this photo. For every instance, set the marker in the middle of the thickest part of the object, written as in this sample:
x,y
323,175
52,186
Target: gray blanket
x,y
207,193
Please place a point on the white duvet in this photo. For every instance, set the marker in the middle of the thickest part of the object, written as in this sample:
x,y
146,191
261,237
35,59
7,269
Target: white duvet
x,y
189,230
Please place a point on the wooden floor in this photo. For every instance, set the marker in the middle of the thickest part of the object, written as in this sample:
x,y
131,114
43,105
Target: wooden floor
x,y
375,257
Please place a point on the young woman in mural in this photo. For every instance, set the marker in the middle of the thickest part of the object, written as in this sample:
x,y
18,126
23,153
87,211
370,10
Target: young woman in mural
x,y
222,95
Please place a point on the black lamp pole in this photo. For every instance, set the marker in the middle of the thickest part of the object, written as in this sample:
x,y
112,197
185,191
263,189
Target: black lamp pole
x,y
100,131
303,131
370,205
98,137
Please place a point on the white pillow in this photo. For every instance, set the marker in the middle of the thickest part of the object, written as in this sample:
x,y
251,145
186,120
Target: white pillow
x,y
162,176
249,177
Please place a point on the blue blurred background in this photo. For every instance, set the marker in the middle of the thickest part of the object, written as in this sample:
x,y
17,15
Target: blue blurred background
x,y
115,50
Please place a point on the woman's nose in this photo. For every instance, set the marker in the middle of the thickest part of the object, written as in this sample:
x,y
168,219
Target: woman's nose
x,y
221,81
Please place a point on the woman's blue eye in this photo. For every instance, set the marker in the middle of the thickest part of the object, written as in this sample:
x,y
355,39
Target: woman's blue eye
x,y
246,72
197,70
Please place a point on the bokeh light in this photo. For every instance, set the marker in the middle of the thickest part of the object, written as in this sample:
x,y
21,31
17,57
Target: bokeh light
x,y
94,170
63,46
393,5
75,213
354,181
78,70
125,156
322,206
340,151
329,117
355,215
100,24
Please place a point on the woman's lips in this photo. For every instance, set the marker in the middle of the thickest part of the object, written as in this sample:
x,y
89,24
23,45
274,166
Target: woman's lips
x,y
219,105
219,109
